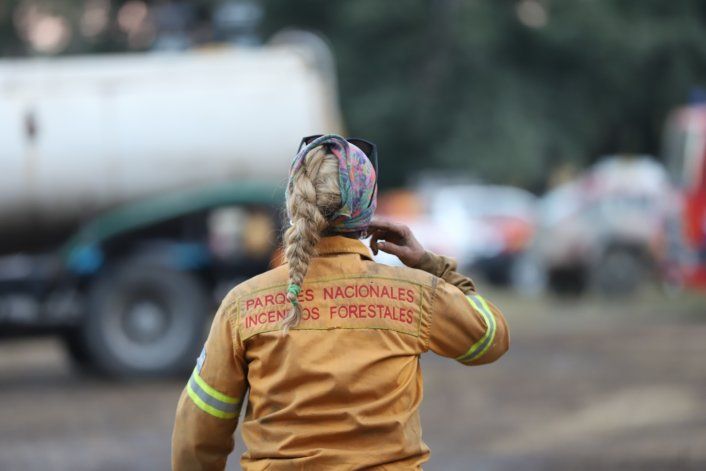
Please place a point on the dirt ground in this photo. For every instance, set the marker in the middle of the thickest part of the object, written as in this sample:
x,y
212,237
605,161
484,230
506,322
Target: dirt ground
x,y
587,385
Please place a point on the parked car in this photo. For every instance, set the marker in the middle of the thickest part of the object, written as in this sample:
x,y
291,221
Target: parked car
x,y
605,229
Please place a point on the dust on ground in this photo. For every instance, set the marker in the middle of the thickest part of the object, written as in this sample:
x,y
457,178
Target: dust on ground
x,y
592,384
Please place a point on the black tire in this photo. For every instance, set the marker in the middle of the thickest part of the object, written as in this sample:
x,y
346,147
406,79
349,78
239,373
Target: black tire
x,y
76,350
145,321
620,273
567,282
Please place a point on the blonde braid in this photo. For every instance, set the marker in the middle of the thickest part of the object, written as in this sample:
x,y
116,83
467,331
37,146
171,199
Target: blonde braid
x,y
314,193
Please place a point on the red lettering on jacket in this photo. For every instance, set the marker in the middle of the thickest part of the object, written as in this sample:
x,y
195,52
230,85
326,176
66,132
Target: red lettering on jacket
x,y
308,294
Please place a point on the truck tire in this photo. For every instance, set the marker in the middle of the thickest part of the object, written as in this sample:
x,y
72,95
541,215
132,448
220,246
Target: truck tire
x,y
75,348
568,281
145,321
620,273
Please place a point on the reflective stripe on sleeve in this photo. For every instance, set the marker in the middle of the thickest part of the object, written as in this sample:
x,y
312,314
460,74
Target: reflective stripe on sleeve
x,y
479,348
211,401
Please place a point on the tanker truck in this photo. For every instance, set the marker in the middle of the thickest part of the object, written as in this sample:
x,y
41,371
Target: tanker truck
x,y
135,189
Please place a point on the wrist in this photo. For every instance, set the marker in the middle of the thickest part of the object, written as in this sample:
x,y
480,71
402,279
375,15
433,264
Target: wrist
x,y
427,262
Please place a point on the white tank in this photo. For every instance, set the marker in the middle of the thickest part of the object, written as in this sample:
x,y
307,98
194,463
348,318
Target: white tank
x,y
81,134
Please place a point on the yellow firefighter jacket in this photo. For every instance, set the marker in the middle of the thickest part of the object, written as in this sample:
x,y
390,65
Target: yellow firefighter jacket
x,y
342,389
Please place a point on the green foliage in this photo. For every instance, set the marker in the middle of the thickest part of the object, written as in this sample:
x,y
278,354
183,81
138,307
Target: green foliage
x,y
464,85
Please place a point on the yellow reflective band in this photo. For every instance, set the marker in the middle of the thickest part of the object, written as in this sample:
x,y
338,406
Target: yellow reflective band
x,y
210,400
479,348
492,327
212,392
207,408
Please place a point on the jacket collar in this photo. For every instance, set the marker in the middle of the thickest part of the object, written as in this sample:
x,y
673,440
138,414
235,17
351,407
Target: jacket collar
x,y
339,244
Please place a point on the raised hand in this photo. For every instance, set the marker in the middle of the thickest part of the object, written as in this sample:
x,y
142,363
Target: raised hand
x,y
396,239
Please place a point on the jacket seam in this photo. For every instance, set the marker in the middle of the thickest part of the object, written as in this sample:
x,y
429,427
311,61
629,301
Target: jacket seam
x,y
334,278
435,286
313,329
232,313
344,252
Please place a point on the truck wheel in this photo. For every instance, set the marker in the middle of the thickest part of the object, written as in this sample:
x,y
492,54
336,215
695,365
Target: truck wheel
x,y
568,281
620,272
75,348
145,321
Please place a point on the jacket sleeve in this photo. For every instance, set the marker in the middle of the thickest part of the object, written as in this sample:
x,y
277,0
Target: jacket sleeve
x,y
464,325
209,406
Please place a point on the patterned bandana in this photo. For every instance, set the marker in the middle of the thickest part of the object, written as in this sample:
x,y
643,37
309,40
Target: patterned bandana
x,y
356,178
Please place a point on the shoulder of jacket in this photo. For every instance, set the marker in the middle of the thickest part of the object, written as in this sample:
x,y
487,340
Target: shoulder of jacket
x,y
403,273
275,276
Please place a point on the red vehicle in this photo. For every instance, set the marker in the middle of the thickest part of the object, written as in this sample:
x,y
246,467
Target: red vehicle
x,y
685,156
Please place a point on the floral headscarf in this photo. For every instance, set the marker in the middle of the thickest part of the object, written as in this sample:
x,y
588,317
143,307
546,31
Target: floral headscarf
x,y
356,178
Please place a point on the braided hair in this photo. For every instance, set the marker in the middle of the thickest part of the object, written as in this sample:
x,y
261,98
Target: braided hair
x,y
313,196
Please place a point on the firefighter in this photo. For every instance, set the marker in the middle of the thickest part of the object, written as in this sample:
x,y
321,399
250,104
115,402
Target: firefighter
x,y
326,346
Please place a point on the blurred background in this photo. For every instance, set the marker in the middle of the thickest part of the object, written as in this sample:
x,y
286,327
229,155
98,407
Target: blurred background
x,y
557,149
